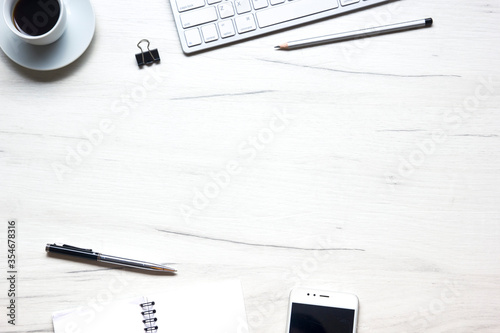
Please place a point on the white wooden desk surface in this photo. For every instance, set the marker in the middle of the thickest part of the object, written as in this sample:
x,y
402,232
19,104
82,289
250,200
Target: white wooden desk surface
x,y
369,167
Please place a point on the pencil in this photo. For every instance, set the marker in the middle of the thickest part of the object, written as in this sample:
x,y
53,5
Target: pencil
x,y
356,34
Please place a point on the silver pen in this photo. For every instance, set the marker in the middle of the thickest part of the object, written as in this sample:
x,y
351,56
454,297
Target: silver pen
x,y
91,255
356,34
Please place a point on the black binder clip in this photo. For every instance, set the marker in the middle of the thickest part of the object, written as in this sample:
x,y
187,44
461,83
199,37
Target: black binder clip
x,y
146,58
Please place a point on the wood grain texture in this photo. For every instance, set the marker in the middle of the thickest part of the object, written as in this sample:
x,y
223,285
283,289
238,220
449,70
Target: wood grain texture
x,y
370,166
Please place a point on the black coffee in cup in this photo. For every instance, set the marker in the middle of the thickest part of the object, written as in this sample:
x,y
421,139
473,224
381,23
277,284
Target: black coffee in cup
x,y
36,17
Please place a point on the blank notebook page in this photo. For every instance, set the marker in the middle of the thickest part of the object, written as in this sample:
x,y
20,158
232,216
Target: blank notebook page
x,y
122,316
212,307
208,308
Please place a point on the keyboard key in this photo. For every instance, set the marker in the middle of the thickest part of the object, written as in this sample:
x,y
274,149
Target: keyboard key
x,y
209,33
197,17
259,4
184,5
348,2
226,10
211,2
226,28
293,10
245,23
276,2
242,6
193,37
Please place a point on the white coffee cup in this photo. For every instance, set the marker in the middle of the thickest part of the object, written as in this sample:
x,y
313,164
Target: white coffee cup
x,y
38,21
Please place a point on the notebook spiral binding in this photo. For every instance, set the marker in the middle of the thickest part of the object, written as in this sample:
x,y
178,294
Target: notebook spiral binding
x,y
149,317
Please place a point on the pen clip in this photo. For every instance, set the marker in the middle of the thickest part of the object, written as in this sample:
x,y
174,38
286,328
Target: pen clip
x,y
77,248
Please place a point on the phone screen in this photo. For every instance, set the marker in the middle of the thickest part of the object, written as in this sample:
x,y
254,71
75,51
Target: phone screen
x,y
306,318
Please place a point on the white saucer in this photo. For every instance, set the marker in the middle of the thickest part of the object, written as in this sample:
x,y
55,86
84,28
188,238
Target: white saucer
x,y
75,40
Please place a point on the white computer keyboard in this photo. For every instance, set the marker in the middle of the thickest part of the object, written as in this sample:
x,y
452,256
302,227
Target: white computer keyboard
x,y
204,24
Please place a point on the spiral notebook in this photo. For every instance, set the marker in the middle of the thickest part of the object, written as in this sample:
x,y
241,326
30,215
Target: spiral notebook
x,y
215,307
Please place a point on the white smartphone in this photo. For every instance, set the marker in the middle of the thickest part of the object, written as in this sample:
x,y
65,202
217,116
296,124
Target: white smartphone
x,y
319,311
